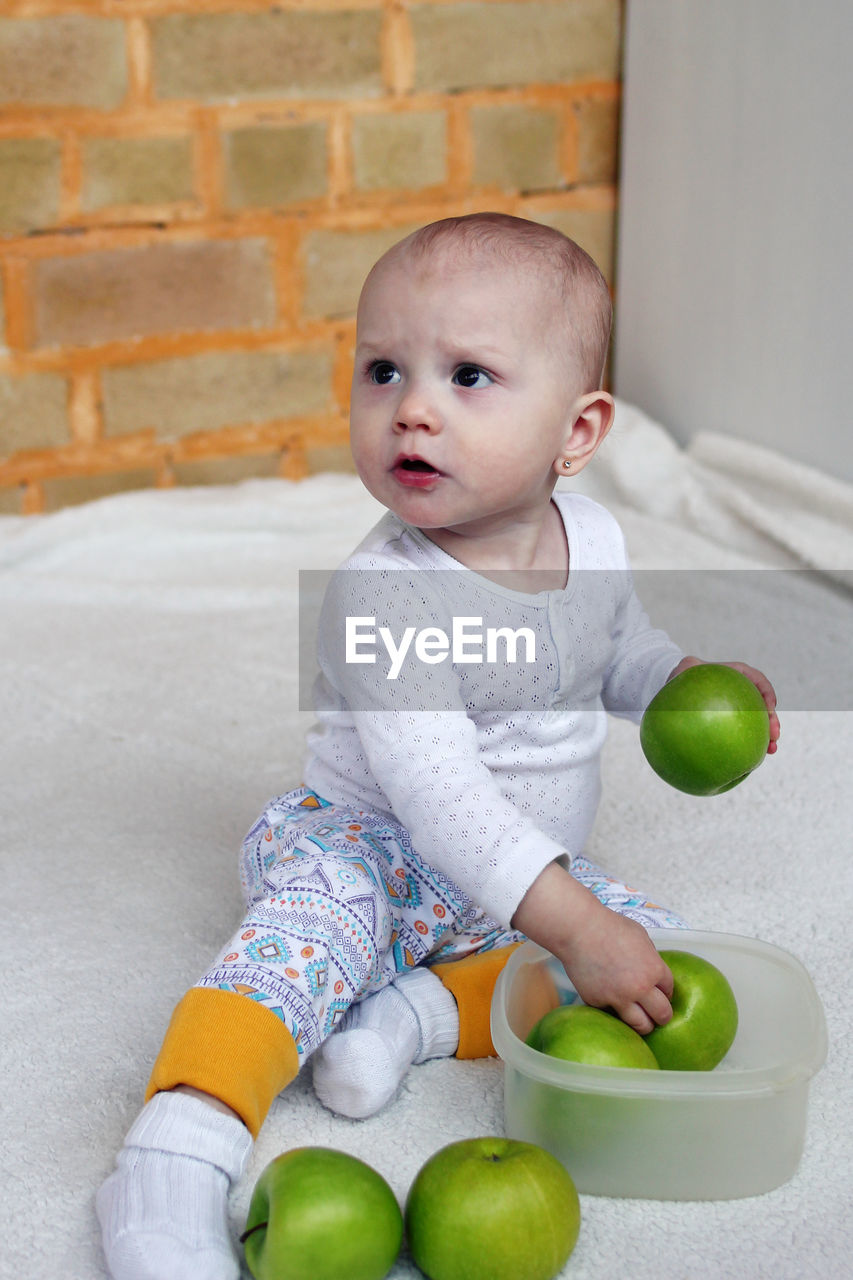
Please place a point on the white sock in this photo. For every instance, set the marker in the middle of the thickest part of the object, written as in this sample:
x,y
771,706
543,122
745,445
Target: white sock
x,y
163,1212
360,1067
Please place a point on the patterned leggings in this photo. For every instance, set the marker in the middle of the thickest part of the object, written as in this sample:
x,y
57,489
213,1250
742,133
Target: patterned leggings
x,y
338,904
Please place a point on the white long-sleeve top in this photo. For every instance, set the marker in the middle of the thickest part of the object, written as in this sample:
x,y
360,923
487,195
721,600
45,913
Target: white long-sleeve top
x,y
493,767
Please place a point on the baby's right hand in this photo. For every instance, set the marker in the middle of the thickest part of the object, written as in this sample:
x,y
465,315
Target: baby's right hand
x,y
614,965
611,960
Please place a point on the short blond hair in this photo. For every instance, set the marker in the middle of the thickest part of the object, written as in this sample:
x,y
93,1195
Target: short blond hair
x,y
579,283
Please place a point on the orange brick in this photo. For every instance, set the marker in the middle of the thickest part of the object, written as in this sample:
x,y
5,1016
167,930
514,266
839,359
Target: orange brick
x,y
598,122
336,263
463,46
122,171
11,501
29,183
329,458
516,147
280,53
33,412
163,288
400,149
270,167
201,471
67,491
218,389
66,60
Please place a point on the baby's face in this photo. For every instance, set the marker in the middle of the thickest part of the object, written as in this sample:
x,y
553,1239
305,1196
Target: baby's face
x,y
461,399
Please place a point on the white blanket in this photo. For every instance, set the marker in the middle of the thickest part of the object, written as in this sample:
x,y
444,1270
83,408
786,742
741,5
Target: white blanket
x,y
148,685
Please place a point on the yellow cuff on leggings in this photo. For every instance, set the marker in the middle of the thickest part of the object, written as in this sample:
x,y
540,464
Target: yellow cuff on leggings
x,y
471,982
229,1046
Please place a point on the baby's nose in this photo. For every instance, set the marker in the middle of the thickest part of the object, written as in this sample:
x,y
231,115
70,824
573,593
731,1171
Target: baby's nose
x,y
418,409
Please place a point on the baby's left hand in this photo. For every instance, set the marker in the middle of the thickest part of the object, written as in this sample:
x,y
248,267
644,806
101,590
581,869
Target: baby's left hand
x,y
762,684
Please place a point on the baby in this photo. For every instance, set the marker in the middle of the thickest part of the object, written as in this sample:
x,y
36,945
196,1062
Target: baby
x,y
446,803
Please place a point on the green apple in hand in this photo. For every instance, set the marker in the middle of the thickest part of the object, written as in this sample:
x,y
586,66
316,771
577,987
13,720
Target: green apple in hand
x,y
580,1033
706,729
704,1016
319,1214
492,1207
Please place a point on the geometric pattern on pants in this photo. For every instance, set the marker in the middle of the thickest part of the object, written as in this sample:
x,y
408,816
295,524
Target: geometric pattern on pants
x,y
338,904
632,903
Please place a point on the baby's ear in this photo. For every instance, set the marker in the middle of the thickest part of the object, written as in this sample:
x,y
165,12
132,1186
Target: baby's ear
x,y
591,419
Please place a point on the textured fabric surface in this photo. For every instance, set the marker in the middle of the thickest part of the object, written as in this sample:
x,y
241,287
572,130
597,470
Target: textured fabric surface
x,y
148,681
229,1047
511,748
337,905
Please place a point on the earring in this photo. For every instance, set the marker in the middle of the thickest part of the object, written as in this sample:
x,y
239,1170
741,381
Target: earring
x,y
567,462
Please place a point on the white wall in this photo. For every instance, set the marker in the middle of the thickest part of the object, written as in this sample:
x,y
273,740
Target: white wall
x,y
734,307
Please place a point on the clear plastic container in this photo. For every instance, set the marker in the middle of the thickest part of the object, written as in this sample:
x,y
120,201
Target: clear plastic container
x,y
670,1135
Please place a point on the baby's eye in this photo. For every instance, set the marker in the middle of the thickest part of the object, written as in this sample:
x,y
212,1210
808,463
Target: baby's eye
x,y
471,376
383,372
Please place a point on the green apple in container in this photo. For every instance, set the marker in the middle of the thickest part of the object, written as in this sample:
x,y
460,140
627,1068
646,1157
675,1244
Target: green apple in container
x,y
706,730
580,1033
704,1016
697,1037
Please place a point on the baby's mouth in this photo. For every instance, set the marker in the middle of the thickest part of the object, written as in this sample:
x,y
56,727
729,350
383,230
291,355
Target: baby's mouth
x,y
415,472
417,464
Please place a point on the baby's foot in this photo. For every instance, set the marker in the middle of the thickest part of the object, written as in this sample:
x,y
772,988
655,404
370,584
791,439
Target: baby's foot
x,y
360,1067
163,1212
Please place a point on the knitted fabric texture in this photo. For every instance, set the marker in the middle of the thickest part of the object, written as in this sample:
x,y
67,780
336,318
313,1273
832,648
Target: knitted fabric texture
x,y
492,766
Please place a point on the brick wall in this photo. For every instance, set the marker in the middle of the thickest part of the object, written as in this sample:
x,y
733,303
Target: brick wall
x,y
191,192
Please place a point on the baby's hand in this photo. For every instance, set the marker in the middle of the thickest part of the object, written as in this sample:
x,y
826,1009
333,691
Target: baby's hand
x,y
762,684
613,965
610,959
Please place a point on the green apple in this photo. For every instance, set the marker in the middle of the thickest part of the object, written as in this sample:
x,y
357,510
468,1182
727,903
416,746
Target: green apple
x,y
706,730
319,1214
704,1016
492,1207
580,1033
